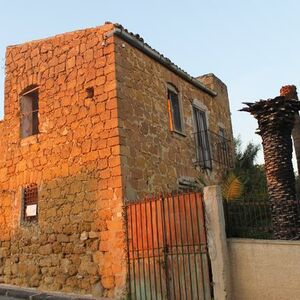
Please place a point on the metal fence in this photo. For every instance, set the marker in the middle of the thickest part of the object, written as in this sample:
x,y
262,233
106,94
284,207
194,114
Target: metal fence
x,y
251,219
167,250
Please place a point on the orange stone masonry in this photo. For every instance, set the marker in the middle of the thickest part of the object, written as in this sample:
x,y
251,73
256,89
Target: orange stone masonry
x,y
75,162
104,139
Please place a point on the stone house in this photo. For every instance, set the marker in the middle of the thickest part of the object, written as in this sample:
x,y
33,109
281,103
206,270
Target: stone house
x,y
94,118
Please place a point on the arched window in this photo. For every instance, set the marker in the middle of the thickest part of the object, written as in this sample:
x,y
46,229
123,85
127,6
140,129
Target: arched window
x,y
29,103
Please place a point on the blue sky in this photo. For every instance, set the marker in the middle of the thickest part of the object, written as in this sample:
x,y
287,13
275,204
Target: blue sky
x,y
253,46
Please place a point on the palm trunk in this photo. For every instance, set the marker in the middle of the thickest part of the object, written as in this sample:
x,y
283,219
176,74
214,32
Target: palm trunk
x,y
296,139
290,92
281,182
276,120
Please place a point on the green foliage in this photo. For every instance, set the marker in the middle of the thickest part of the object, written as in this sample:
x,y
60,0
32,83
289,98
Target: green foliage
x,y
251,175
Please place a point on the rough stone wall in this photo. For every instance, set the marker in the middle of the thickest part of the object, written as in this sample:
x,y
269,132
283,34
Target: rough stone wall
x,y
5,196
78,243
153,157
5,215
87,153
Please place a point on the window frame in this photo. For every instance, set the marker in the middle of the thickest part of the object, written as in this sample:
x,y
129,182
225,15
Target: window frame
x,y
224,147
27,220
222,137
32,114
171,89
203,149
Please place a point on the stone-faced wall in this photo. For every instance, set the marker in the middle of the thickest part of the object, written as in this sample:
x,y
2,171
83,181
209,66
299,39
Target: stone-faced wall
x,y
91,148
6,196
78,243
153,157
5,215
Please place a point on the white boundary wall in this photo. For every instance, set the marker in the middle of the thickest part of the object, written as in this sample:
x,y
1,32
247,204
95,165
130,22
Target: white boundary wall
x,y
264,269
249,269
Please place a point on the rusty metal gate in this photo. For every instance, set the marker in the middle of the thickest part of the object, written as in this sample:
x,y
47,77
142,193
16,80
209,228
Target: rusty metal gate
x,y
167,251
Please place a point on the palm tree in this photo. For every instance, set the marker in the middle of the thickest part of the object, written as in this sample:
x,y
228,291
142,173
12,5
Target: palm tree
x,y
251,174
275,121
290,92
252,177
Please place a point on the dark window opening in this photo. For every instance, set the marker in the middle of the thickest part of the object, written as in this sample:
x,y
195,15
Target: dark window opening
x,y
174,111
202,140
30,203
89,92
29,113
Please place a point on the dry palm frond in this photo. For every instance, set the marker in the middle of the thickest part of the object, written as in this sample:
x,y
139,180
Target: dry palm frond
x,y
232,187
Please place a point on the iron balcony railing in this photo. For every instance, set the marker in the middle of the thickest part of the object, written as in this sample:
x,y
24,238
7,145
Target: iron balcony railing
x,y
213,149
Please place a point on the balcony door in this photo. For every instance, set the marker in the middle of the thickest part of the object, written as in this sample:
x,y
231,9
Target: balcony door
x,y
203,149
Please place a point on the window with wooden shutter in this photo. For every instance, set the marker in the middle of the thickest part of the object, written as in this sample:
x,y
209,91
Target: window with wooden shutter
x,y
29,112
174,110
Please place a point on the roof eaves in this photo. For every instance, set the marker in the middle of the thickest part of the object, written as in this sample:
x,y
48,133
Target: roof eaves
x,y
138,42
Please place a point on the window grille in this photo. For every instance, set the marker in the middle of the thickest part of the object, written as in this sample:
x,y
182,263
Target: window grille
x,y
30,203
202,139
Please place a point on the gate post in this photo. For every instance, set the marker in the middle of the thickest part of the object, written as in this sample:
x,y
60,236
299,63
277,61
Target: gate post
x,y
217,242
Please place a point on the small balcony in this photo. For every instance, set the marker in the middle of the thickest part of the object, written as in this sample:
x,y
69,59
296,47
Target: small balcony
x,y
213,150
